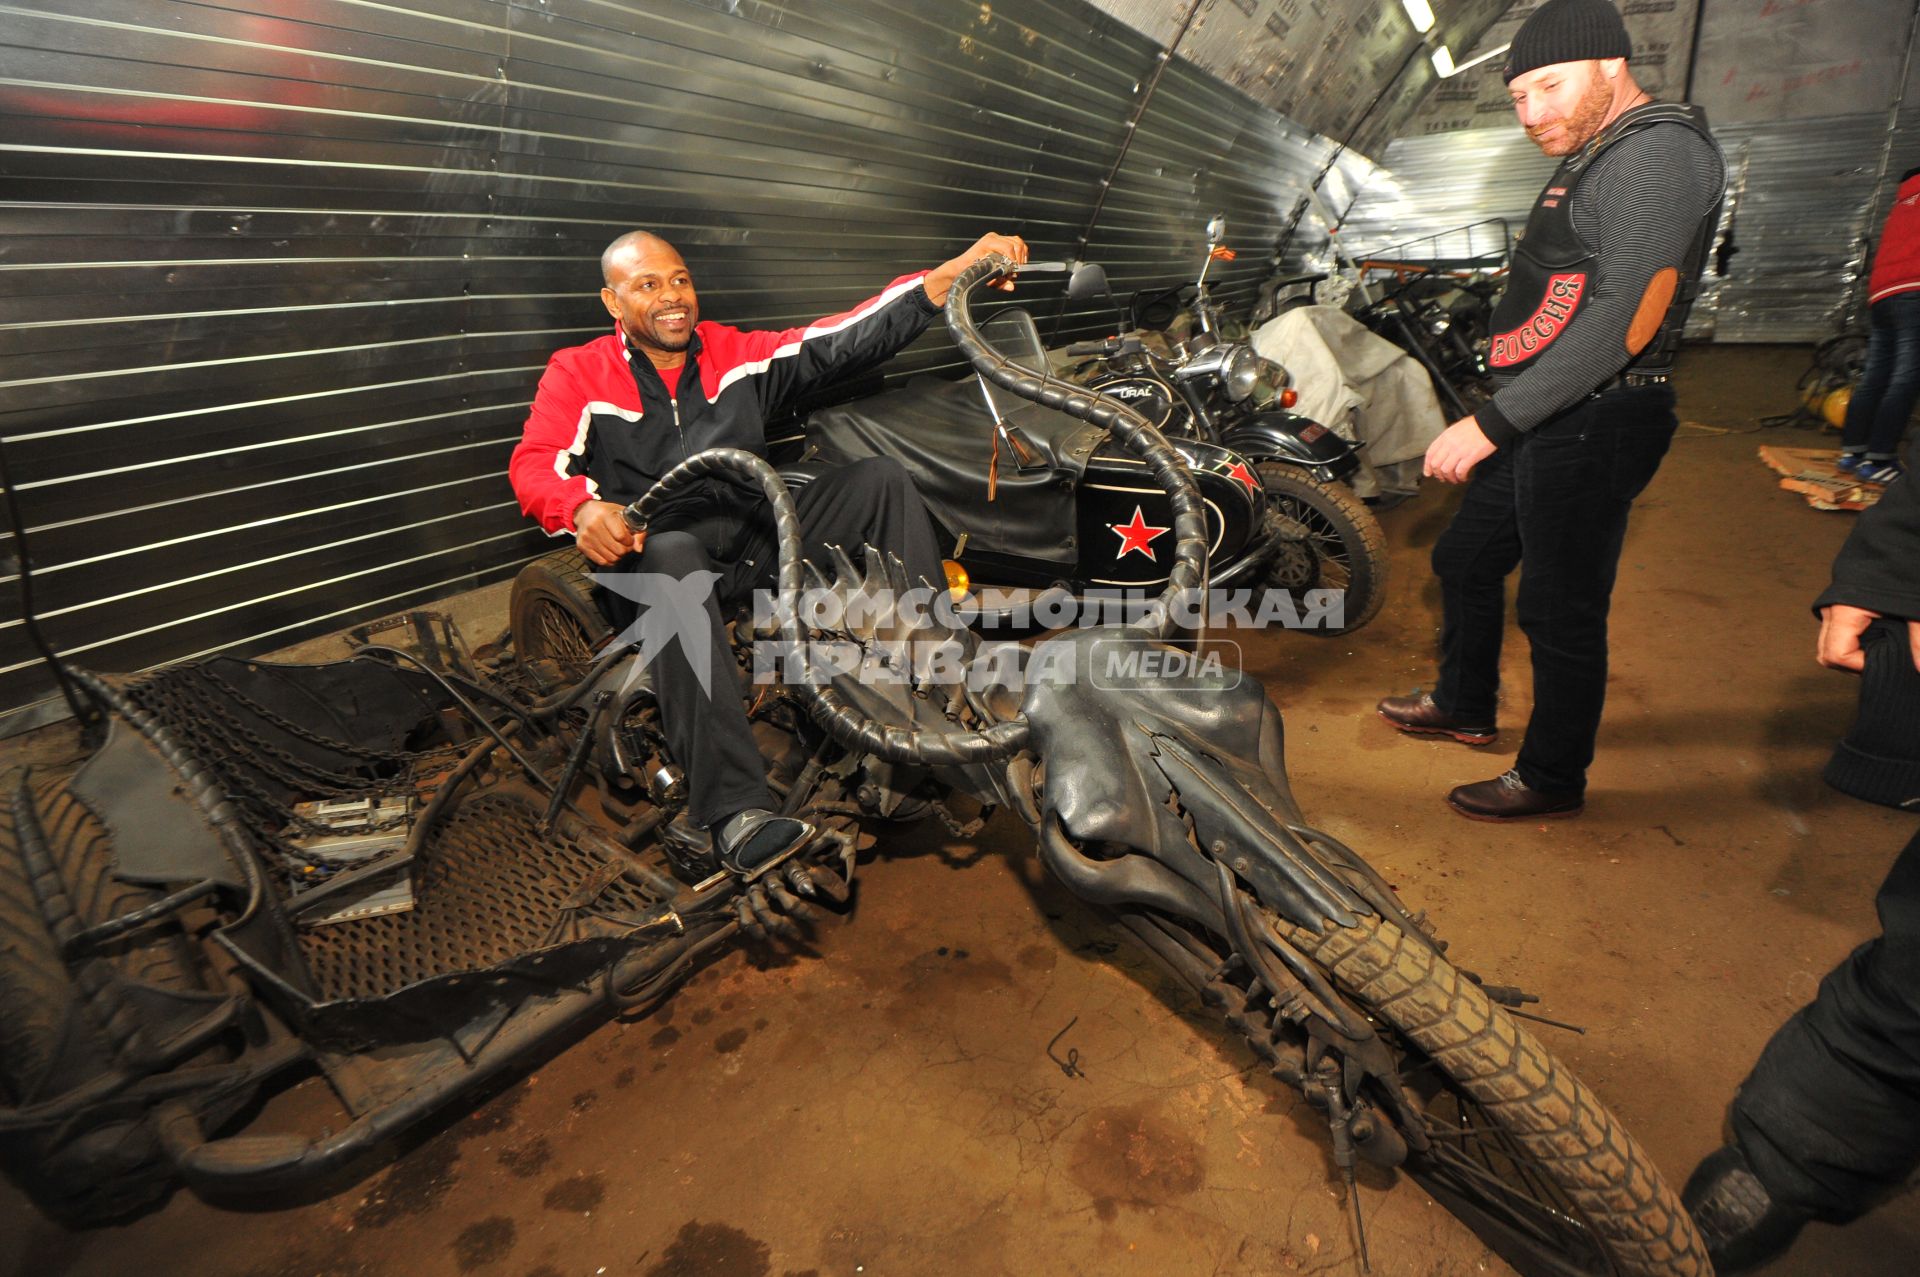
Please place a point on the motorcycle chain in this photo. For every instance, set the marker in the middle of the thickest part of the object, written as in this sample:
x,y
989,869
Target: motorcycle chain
x,y
242,756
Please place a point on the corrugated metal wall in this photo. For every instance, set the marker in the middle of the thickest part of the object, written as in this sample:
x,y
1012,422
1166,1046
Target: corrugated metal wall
x,y
1429,185
1804,214
279,275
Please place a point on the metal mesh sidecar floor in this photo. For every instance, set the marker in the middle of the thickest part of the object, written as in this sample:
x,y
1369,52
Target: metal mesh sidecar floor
x,y
489,886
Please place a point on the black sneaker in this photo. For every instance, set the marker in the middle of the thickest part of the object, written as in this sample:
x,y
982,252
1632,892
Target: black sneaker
x,y
1741,1225
750,840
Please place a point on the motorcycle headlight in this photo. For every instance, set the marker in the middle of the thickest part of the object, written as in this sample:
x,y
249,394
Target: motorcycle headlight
x,y
1241,373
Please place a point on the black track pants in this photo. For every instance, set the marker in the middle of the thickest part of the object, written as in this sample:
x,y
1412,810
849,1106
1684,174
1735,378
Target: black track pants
x,y
869,502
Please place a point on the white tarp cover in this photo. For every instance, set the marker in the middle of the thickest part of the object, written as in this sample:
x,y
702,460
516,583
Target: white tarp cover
x,y
1361,387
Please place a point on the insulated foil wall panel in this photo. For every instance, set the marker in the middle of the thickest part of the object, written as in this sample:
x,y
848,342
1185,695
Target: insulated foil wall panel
x,y
278,277
1353,70
1805,191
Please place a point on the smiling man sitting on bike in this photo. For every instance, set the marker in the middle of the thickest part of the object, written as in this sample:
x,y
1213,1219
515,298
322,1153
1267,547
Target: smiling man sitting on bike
x,y
613,416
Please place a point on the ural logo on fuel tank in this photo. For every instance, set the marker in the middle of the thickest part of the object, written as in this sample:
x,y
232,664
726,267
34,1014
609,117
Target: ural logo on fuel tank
x,y
1546,323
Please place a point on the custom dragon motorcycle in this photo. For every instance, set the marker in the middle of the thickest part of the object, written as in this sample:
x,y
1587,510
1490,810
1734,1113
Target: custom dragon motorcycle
x,y
404,875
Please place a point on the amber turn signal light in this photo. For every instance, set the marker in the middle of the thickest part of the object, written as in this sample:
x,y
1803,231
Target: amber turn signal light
x,y
958,581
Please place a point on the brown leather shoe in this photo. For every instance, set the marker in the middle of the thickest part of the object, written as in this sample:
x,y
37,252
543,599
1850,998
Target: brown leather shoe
x,y
1419,715
1509,798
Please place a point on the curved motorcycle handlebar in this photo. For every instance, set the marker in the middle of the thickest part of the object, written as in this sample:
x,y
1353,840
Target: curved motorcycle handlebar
x,y
1135,432
841,721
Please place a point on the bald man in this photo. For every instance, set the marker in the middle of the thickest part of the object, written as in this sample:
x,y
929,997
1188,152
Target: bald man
x,y
613,416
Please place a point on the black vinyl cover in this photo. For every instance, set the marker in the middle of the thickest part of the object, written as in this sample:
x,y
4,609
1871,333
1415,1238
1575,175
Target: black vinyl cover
x,y
941,432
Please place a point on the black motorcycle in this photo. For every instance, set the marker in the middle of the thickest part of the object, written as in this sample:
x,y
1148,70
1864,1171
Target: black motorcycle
x,y
405,873
1187,366
1030,497
1445,321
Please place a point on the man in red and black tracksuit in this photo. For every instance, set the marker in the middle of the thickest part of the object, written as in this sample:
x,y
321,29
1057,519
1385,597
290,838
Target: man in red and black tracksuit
x,y
1583,345
613,416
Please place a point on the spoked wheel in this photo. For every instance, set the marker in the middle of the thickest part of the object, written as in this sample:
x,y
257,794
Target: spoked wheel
x,y
1336,544
1521,1150
553,613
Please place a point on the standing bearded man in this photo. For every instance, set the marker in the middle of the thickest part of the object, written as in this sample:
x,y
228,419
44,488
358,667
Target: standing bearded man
x,y
1583,347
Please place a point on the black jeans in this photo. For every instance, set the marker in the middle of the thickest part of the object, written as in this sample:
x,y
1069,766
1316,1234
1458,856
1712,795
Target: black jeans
x,y
869,502
1554,503
1830,1117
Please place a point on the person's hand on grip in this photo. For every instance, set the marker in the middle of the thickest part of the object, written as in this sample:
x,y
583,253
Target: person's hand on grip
x,y
939,280
603,535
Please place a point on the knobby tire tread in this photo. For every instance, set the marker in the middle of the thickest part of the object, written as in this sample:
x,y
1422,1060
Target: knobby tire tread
x,y
1560,1123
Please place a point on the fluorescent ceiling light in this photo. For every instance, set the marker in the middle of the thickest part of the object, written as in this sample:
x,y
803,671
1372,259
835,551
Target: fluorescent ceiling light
x,y
1443,60
1420,13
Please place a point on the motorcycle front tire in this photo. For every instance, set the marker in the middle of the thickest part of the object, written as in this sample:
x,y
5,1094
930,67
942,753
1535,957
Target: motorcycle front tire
x,y
1343,547
1524,1122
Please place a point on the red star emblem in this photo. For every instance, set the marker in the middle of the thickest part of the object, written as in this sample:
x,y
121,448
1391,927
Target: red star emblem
x,y
1244,475
1137,535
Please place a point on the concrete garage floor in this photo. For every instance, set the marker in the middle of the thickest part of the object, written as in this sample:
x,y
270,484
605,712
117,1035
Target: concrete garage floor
x,y
886,1105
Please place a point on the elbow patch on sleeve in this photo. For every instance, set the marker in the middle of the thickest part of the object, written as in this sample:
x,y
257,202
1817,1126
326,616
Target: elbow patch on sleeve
x,y
1652,310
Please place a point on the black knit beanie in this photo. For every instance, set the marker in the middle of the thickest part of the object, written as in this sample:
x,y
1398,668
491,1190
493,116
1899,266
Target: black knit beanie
x,y
1567,31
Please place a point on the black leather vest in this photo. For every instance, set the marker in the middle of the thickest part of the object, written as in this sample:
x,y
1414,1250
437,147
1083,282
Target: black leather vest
x,y
1554,271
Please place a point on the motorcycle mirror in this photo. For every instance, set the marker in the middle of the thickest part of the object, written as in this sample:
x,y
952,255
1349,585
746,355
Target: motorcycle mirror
x,y
1216,229
1089,280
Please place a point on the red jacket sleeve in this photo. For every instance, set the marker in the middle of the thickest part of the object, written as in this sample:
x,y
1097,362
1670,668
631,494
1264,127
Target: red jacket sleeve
x,y
553,439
